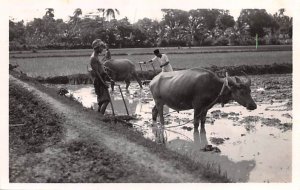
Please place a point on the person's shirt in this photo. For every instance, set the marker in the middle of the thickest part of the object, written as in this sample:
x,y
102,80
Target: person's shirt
x,y
162,60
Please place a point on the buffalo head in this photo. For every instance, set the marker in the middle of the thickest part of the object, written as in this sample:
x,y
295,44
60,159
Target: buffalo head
x,y
241,92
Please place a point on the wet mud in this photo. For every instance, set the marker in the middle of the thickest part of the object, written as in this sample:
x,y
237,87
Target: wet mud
x,y
241,144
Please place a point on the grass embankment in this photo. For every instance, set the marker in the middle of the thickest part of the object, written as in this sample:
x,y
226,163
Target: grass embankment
x,y
80,160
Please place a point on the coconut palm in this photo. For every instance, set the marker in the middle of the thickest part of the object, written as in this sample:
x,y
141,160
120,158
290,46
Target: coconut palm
x,y
75,18
109,13
77,13
49,12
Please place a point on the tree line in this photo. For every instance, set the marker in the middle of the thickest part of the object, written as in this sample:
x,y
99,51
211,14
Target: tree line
x,y
199,27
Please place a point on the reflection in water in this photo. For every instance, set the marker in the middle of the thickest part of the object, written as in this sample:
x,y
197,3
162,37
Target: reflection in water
x,y
250,135
120,107
236,171
200,140
159,133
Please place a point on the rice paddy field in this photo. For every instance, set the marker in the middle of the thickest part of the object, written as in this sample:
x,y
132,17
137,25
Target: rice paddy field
x,y
246,140
136,51
61,62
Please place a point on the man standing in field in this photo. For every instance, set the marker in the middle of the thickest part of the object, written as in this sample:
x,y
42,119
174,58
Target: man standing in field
x,y
163,61
98,73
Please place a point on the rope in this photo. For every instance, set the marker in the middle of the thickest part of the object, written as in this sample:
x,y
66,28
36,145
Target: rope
x,y
179,134
166,129
208,107
180,124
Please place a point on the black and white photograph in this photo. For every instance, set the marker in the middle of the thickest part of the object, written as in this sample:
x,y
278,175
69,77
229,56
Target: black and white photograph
x,y
141,94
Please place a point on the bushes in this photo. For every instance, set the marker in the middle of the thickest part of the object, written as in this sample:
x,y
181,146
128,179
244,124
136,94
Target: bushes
x,y
247,41
261,41
274,41
172,43
16,46
255,69
221,41
207,42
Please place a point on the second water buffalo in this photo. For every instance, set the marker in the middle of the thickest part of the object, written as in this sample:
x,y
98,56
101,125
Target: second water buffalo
x,y
122,70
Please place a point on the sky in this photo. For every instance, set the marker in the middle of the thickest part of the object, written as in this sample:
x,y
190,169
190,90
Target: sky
x,y
135,9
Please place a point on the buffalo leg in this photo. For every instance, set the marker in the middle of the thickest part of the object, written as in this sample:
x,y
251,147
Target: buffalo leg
x,y
196,118
160,109
114,77
127,81
196,135
154,113
137,79
203,118
203,138
200,138
112,85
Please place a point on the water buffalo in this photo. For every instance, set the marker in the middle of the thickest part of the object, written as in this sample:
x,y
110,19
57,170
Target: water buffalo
x,y
121,69
197,89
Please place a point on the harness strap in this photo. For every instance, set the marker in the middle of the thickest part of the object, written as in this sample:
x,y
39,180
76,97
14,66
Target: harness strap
x,y
210,105
220,94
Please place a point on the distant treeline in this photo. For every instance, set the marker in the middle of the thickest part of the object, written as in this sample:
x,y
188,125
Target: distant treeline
x,y
200,27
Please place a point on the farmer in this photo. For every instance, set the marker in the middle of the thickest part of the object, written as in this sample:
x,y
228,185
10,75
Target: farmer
x,y
107,55
98,73
163,61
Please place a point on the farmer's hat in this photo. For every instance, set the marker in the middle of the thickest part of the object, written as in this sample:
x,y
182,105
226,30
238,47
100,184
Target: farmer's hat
x,y
98,43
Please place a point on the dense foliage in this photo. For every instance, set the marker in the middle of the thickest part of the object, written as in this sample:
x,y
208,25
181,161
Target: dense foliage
x,y
199,27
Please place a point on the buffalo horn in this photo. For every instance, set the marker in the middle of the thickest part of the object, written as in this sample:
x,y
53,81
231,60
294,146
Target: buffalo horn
x,y
234,82
248,81
226,81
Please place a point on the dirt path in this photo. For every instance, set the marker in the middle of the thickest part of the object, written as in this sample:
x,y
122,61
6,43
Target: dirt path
x,y
79,125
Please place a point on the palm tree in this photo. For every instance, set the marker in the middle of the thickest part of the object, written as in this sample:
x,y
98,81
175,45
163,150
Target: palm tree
x,y
75,18
49,12
109,13
77,13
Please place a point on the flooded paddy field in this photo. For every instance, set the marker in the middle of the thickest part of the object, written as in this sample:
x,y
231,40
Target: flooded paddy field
x,y
63,66
247,146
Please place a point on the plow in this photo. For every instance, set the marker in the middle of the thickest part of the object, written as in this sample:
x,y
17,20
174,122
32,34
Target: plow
x,y
124,118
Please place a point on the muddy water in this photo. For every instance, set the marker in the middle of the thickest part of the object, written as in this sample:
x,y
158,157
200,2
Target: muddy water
x,y
255,146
